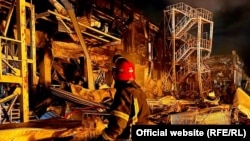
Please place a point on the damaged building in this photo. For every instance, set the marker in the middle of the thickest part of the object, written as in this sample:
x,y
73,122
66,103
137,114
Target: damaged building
x,y
56,67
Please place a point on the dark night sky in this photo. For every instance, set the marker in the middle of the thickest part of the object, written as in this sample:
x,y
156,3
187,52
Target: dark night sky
x,y
231,22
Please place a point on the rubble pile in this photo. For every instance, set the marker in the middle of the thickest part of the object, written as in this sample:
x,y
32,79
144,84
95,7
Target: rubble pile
x,y
171,111
92,126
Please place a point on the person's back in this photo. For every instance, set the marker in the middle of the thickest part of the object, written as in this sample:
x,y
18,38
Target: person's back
x,y
129,106
131,100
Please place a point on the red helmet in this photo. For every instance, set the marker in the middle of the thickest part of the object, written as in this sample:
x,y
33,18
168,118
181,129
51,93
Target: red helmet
x,y
124,71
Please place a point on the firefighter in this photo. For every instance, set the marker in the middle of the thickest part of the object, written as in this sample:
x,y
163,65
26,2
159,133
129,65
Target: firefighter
x,y
129,106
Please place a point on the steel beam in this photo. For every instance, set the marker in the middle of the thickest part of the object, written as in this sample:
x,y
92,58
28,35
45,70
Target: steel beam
x,y
21,26
72,16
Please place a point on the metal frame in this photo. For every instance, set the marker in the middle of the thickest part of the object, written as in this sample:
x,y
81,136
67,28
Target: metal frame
x,y
180,20
17,55
72,18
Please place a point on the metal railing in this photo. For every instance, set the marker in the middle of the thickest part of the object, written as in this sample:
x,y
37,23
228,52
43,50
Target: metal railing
x,y
9,57
191,12
186,70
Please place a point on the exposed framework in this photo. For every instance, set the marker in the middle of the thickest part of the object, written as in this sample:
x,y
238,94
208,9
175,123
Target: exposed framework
x,y
66,12
17,56
188,34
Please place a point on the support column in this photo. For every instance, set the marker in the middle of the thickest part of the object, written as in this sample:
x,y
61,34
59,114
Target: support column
x,y
173,50
33,45
45,69
21,26
199,57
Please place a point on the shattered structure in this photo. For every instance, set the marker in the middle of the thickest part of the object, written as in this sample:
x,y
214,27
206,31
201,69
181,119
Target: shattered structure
x,y
56,64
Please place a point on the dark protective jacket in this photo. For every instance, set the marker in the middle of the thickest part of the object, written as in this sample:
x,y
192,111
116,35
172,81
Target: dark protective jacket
x,y
128,108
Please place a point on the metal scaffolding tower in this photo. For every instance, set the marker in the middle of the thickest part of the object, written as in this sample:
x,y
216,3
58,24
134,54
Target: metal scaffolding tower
x,y
17,57
188,35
